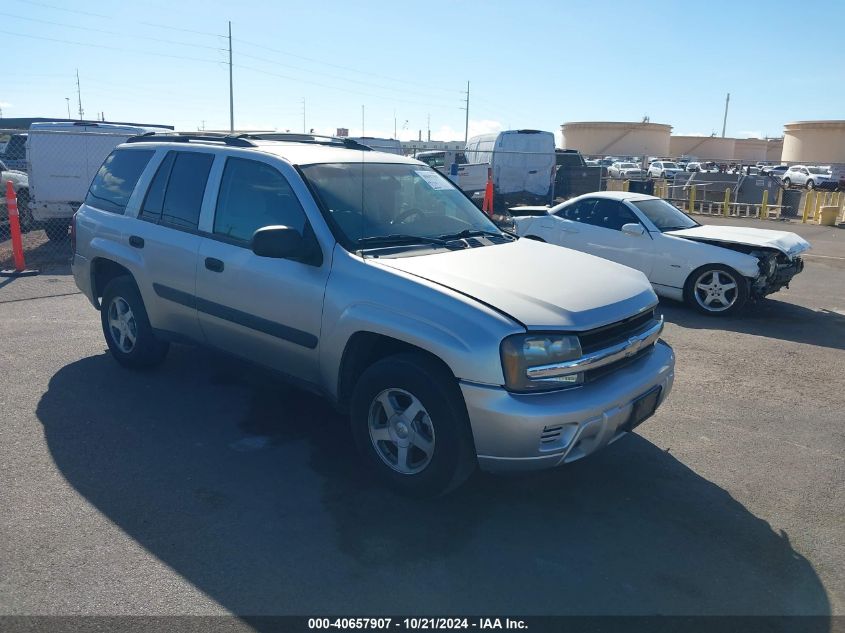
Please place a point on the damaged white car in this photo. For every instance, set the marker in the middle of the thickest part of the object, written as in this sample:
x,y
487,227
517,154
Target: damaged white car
x,y
715,269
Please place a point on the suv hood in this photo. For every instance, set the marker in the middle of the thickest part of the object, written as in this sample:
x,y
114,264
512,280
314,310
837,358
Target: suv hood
x,y
788,243
539,285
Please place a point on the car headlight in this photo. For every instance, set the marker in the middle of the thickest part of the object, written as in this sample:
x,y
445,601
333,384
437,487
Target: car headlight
x,y
522,352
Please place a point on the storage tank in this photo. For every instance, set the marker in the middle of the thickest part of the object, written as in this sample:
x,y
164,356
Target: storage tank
x,y
750,150
703,147
814,142
614,138
774,150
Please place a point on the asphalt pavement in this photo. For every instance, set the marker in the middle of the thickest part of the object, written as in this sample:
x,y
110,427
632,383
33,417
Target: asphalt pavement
x,y
207,487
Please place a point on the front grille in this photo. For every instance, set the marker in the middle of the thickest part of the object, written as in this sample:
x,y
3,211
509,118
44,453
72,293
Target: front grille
x,y
614,333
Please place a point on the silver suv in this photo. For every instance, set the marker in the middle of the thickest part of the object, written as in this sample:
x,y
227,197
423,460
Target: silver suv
x,y
371,279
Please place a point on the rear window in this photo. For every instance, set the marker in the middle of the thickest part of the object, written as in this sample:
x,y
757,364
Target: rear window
x,y
113,185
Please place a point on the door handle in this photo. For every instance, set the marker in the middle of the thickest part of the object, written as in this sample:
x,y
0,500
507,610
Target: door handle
x,y
137,242
214,264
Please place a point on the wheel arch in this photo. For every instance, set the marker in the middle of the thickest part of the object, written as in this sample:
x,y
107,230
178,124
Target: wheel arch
x,y
365,348
103,270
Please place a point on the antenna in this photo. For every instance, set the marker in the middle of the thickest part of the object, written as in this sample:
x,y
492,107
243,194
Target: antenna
x,y
79,95
725,120
231,89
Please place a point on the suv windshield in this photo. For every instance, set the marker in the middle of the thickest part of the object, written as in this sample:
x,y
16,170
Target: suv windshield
x,y
818,170
394,201
627,165
670,166
663,215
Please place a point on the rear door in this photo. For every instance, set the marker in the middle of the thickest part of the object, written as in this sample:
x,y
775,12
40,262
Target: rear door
x,y
265,309
525,162
166,236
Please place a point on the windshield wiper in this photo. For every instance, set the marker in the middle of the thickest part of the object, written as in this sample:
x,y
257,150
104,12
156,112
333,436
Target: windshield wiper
x,y
472,233
398,238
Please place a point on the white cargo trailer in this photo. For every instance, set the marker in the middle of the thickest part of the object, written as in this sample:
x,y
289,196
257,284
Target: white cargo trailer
x,y
63,159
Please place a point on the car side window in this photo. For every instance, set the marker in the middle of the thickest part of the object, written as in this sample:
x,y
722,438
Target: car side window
x,y
116,179
185,189
610,214
581,211
254,195
154,200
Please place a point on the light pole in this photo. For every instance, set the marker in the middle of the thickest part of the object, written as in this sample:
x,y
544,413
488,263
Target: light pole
x,y
67,99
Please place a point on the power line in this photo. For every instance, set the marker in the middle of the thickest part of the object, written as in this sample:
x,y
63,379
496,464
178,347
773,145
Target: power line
x,y
331,76
116,33
340,67
52,6
107,47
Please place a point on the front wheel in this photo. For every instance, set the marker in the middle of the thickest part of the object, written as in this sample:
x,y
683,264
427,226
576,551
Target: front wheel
x,y
810,184
410,424
786,183
716,290
126,326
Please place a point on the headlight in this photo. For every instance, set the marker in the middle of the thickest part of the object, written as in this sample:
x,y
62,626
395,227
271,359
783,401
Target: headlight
x,y
522,352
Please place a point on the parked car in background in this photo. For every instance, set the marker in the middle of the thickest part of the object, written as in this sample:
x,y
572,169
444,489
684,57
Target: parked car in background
x,y
470,178
63,158
714,269
627,171
663,169
775,171
14,153
694,167
804,176
371,280
20,182
523,164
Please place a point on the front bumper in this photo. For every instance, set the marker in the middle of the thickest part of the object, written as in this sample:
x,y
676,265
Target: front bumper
x,y
544,430
781,278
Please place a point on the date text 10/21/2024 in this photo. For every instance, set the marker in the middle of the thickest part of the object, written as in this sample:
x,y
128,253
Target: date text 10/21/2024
x,y
421,623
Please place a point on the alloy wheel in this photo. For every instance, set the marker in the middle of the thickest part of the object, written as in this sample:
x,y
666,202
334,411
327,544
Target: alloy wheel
x,y
716,290
401,431
122,325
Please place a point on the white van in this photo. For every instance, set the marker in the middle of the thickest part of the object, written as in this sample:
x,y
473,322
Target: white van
x,y
388,145
523,163
63,159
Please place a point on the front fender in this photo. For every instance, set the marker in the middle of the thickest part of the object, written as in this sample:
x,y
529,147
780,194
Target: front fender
x,y
690,255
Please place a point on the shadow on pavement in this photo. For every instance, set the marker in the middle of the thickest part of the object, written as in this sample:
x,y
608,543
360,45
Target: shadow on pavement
x,y
252,492
770,318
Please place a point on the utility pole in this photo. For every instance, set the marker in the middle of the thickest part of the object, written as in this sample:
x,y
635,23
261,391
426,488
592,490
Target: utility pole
x,y
231,90
79,95
304,130
428,126
466,124
394,122
725,120
67,100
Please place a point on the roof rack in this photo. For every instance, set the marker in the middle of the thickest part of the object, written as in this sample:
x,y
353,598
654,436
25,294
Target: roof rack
x,y
315,139
226,139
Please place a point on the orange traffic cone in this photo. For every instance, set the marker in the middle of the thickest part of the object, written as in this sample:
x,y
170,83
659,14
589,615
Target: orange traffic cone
x,y
487,203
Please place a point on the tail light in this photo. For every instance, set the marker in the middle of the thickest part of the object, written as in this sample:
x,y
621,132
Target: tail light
x,y
73,233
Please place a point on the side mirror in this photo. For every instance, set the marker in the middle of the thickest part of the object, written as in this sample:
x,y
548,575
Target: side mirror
x,y
633,228
279,242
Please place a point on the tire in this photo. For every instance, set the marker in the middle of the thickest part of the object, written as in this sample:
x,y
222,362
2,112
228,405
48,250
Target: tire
x,y
397,383
57,230
787,183
714,278
121,294
810,184
24,211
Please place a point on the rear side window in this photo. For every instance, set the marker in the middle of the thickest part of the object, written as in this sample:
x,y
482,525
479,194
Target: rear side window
x,y
154,202
185,188
116,179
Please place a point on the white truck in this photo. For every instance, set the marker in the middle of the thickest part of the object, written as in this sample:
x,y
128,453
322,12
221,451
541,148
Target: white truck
x,y
470,178
63,159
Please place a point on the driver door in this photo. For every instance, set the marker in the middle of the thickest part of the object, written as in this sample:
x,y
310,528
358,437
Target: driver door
x,y
598,231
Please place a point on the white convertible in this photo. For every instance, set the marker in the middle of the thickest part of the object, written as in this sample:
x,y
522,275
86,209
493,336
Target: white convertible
x,y
715,269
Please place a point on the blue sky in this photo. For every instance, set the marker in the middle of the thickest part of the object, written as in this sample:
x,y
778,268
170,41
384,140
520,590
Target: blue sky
x,y
533,63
